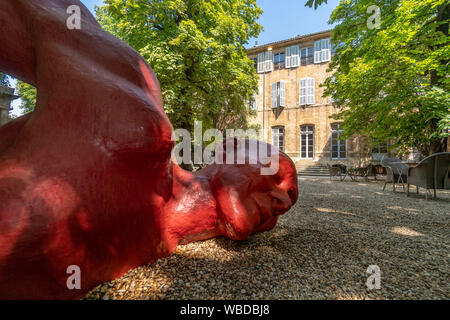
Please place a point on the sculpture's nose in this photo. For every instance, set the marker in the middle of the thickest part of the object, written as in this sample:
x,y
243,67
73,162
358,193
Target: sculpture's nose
x,y
281,202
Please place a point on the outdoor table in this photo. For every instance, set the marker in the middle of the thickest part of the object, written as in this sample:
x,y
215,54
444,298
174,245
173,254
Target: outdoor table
x,y
356,172
352,174
399,172
345,176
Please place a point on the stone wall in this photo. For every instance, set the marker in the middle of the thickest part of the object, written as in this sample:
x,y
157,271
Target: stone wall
x,y
6,96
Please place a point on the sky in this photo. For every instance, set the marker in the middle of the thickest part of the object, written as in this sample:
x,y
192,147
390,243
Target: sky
x,y
282,19
91,3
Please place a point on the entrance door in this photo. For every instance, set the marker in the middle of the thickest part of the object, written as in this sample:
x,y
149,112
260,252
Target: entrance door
x,y
307,142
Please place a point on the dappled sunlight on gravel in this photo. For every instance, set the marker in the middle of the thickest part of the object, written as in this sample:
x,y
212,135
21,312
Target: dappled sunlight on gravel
x,y
320,249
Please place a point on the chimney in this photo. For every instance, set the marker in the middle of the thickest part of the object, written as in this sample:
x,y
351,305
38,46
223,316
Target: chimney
x,y
256,44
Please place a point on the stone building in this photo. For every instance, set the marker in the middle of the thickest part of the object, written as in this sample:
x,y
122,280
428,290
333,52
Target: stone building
x,y
290,108
6,96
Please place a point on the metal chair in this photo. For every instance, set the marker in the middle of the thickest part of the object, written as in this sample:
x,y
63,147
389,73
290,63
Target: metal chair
x,y
335,171
431,173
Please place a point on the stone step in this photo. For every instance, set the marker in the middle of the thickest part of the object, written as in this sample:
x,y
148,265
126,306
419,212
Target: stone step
x,y
312,169
319,174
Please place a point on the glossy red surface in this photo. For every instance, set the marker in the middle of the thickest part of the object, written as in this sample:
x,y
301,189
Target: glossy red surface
x,y
87,178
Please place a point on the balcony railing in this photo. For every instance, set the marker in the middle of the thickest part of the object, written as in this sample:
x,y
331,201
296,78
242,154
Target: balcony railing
x,y
278,66
307,61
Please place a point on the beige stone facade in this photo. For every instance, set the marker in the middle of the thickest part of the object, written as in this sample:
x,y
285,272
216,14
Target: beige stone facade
x,y
6,96
293,117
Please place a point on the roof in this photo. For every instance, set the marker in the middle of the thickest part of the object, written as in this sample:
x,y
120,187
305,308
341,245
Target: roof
x,y
287,41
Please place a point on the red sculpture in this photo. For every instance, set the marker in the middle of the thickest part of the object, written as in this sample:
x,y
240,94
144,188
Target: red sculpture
x,y
87,180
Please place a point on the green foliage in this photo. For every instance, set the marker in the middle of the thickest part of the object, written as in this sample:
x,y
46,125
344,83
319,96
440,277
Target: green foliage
x,y
27,94
196,49
392,83
316,3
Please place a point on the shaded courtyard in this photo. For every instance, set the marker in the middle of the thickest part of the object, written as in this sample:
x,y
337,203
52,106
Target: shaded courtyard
x,y
320,249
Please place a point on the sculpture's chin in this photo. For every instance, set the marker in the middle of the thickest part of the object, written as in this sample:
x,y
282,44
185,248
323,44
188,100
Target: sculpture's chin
x,y
234,232
266,226
241,229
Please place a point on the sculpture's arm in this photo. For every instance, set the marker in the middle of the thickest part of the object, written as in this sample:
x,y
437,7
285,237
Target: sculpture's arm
x,y
10,131
84,68
17,51
38,45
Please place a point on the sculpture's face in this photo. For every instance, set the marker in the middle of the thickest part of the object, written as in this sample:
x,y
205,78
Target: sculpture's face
x,y
250,202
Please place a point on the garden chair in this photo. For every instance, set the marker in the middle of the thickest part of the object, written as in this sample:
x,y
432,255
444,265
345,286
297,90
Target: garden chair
x,y
335,172
431,173
372,171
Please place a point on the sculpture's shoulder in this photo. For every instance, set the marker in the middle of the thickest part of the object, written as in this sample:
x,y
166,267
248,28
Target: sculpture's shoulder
x,y
99,83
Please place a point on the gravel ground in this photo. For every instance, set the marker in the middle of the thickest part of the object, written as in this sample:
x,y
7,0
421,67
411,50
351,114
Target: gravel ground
x,y
320,249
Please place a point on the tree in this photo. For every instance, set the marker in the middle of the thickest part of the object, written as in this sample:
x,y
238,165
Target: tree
x,y
392,83
316,3
27,94
196,49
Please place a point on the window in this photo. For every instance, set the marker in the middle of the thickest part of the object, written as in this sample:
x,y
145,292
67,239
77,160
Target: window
x,y
292,57
255,61
265,62
380,148
322,51
252,104
307,56
379,151
307,142
278,137
307,91
278,60
338,145
279,94
260,62
269,61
